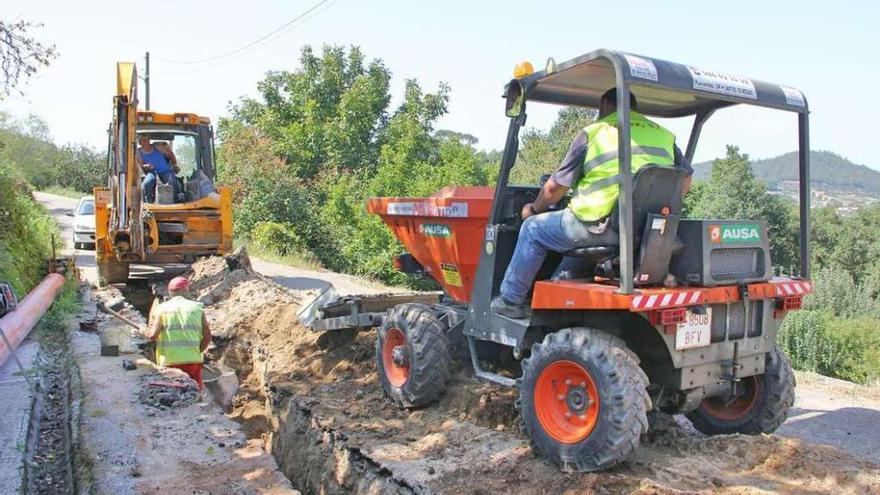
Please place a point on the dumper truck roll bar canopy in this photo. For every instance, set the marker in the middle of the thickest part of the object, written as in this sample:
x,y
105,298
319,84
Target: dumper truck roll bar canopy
x,y
663,89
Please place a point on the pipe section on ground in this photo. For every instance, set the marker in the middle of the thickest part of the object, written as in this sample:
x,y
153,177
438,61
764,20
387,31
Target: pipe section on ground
x,y
18,323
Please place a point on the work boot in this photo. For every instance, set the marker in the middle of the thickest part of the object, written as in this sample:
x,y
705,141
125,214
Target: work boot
x,y
506,308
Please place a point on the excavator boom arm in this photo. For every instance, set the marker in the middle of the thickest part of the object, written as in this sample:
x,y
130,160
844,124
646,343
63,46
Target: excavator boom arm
x,y
125,181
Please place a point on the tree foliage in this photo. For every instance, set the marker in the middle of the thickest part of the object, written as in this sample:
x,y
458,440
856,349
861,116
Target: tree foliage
x,y
541,151
827,170
27,147
330,113
318,141
25,232
21,55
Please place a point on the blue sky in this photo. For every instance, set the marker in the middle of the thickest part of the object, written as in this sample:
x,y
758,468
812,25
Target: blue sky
x,y
828,50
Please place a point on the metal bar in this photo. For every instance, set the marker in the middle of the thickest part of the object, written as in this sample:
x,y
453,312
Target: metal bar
x,y
147,81
511,147
486,375
104,309
624,199
804,189
348,322
699,120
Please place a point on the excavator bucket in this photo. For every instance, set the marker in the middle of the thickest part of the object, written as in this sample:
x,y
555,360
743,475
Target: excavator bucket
x,y
443,232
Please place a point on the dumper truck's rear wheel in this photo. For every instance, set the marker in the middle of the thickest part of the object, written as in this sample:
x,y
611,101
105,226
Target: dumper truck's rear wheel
x,y
112,272
412,355
761,405
584,399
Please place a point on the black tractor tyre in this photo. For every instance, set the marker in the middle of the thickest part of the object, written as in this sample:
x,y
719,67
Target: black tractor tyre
x,y
112,272
420,339
763,409
616,379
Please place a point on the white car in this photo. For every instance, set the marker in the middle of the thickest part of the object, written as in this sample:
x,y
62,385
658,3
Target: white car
x,y
84,223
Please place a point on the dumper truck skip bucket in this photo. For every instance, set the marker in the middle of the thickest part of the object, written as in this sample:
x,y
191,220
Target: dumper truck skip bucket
x,y
443,232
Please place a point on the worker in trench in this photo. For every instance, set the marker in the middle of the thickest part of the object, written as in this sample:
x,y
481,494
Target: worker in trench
x,y
590,168
180,330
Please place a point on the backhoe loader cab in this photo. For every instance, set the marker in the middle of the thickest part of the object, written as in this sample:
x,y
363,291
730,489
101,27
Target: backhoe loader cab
x,y
191,139
681,315
190,217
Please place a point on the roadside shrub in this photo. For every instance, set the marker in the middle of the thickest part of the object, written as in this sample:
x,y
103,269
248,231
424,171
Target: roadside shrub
x,y
846,348
835,290
804,337
855,349
25,232
277,238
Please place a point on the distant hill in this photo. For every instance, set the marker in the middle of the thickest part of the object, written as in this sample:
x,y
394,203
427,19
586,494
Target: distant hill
x,y
827,169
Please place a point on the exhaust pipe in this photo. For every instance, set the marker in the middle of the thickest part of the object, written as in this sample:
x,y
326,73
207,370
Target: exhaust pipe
x,y
18,323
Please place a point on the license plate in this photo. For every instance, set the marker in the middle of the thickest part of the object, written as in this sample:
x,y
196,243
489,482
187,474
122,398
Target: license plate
x,y
695,332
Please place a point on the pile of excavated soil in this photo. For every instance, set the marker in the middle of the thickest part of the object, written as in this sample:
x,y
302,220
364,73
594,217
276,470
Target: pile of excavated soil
x,y
470,441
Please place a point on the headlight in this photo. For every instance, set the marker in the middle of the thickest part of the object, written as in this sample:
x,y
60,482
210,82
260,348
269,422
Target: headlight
x,y
84,227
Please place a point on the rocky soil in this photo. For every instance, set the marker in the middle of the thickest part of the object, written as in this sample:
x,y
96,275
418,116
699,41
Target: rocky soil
x,y
167,388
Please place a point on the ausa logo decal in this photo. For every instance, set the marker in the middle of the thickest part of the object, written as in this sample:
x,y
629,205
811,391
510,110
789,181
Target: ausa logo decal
x,y
733,233
435,229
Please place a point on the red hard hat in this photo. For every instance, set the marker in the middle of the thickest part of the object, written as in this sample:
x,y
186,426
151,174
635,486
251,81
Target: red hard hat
x,y
178,283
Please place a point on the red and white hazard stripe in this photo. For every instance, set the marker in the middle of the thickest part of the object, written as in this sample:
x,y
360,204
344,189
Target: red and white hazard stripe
x,y
792,288
670,299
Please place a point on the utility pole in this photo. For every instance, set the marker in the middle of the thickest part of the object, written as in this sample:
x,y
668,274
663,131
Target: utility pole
x,y
147,81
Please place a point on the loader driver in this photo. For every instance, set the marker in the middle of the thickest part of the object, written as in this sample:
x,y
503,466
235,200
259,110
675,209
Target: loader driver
x,y
156,162
589,167
180,330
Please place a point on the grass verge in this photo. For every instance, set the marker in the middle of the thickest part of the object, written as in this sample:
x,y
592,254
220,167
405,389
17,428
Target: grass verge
x,y
293,259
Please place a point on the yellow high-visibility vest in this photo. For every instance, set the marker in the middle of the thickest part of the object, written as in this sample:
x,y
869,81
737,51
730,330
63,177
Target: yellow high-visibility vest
x,y
178,343
596,193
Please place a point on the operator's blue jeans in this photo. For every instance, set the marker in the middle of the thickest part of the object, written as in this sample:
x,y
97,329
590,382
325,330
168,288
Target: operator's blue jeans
x,y
149,184
557,231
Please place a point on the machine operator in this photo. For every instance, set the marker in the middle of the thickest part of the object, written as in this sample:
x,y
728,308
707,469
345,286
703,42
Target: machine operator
x,y
158,163
590,168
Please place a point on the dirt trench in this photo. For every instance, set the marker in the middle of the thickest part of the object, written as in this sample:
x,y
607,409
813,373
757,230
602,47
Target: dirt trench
x,y
322,414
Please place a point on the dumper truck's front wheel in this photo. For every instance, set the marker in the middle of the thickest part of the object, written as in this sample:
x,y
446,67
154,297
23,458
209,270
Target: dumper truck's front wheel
x,y
760,406
584,399
412,354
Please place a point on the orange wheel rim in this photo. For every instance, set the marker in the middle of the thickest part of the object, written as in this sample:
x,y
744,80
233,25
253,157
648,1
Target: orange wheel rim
x,y
566,402
731,411
395,372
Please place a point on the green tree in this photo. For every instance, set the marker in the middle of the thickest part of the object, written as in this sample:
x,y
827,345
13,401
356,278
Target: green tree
x,y
328,113
27,148
540,152
303,158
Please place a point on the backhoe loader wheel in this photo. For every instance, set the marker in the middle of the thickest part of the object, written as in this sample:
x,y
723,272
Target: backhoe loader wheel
x,y
583,399
412,355
761,405
112,272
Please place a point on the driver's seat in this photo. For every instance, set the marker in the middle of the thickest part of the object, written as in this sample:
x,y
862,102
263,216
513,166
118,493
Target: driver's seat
x,y
656,189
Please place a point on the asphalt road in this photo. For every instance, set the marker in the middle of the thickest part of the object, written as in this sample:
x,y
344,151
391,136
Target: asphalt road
x,y
15,411
826,410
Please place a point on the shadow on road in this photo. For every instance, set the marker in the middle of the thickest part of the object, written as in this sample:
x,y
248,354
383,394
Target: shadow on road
x,y
853,429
